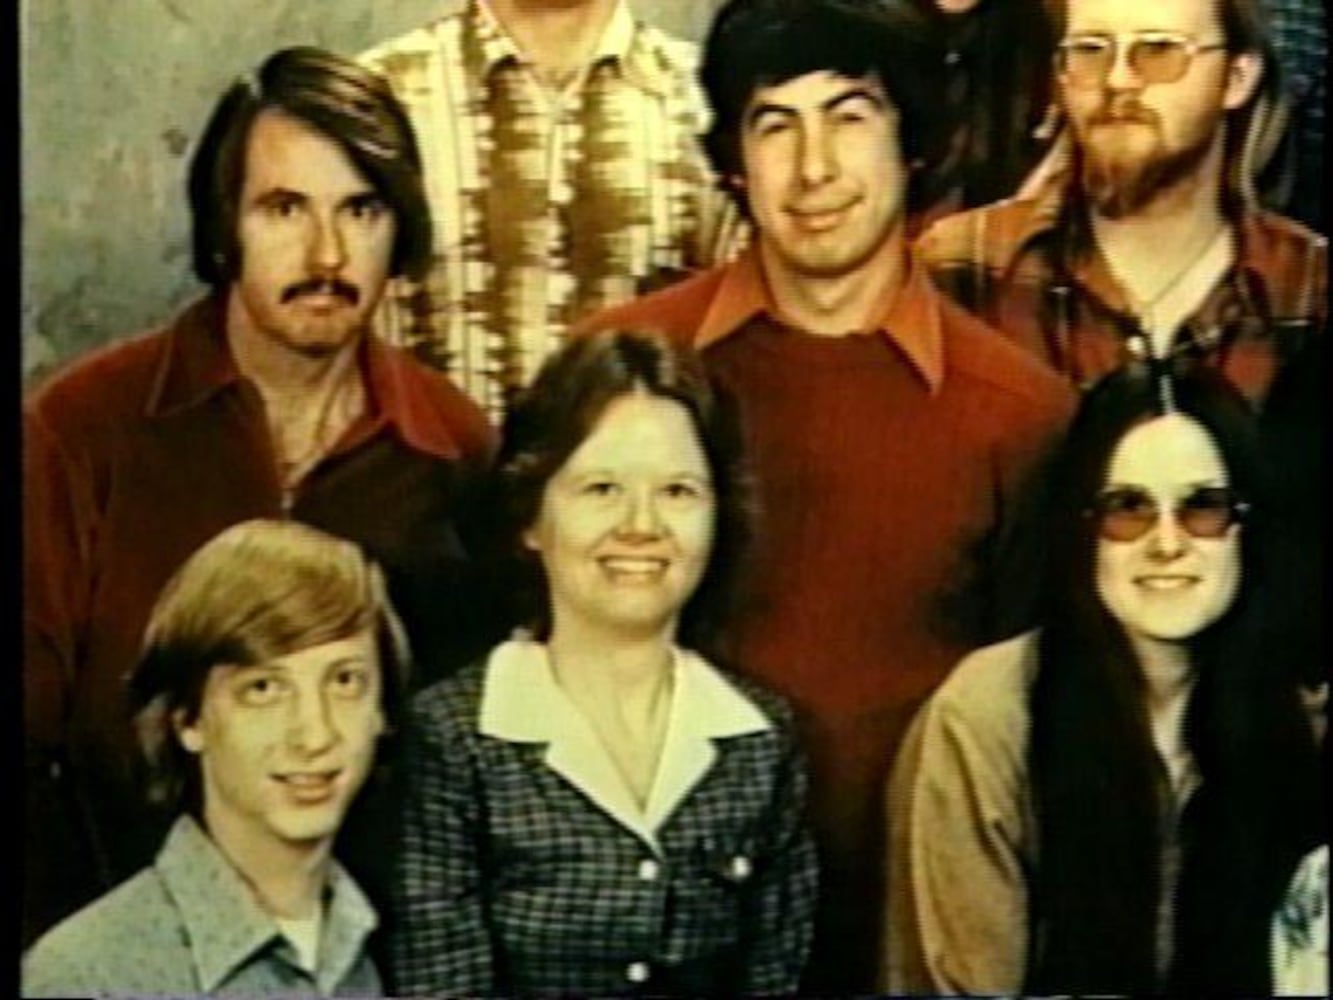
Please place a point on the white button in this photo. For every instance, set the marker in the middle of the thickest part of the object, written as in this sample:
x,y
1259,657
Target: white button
x,y
637,972
740,868
649,870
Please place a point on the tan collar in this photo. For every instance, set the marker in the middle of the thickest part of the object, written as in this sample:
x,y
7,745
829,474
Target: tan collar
x,y
522,703
910,319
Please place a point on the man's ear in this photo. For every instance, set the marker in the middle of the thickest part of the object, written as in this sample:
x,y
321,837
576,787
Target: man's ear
x,y
190,736
1243,75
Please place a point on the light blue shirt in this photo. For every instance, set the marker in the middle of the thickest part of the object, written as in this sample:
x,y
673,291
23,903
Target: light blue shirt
x,y
188,925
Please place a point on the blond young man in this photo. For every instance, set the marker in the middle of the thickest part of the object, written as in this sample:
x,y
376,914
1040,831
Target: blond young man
x,y
272,664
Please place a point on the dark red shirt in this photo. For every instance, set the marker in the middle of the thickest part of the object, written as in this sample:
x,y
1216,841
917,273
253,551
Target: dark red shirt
x,y
133,458
896,471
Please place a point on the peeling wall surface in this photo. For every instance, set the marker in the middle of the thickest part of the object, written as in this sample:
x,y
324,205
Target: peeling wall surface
x,y
113,97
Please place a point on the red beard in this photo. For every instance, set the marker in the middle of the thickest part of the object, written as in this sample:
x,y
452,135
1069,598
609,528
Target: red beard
x,y
1117,185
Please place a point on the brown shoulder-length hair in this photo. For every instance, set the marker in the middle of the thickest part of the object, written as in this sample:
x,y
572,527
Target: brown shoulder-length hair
x,y
553,417
260,590
348,103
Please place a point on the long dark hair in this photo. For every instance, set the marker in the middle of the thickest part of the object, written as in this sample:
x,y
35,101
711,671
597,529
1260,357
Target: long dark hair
x,y
1095,773
554,416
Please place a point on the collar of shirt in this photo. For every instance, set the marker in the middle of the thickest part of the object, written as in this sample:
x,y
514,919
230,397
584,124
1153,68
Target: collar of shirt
x,y
1258,254
623,44
197,364
522,703
911,319
225,924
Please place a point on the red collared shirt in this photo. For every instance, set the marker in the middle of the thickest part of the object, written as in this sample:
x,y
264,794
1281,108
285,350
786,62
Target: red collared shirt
x,y
895,471
910,318
137,455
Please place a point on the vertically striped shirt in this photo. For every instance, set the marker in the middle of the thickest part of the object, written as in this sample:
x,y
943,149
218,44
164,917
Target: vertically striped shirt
x,y
546,205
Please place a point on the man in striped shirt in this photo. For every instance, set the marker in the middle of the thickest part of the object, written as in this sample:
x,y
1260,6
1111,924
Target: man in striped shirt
x,y
560,153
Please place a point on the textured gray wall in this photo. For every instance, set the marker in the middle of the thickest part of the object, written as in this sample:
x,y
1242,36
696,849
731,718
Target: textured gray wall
x,y
114,93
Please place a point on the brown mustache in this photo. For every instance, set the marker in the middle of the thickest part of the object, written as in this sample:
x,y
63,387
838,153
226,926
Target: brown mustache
x,y
1124,112
322,286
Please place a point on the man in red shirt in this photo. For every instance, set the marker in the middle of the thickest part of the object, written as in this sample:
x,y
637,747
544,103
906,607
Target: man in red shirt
x,y
266,398
896,441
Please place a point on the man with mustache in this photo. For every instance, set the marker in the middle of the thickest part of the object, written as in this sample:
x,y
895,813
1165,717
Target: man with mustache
x,y
265,398
895,440
1153,243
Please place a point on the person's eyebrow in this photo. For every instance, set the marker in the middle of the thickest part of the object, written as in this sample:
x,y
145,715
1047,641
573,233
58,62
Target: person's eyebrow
x,y
1194,484
859,92
768,108
350,660
360,199
277,195
852,93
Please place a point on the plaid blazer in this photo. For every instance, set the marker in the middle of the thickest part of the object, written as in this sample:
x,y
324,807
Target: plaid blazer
x,y
511,880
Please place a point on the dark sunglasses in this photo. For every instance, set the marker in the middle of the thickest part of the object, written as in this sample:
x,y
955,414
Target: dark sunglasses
x,y
1154,56
1126,513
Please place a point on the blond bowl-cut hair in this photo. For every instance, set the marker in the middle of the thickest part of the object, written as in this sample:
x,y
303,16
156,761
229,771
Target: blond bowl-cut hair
x,y
260,590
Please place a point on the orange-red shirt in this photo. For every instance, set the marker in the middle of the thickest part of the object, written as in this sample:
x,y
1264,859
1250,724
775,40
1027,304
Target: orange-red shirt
x,y
895,472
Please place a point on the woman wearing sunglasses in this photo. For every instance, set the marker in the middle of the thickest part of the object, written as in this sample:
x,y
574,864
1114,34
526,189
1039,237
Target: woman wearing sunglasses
x,y
1116,802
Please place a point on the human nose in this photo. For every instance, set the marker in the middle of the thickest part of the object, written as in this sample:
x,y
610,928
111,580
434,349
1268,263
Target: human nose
x,y
312,730
819,162
641,517
1121,74
328,251
1168,538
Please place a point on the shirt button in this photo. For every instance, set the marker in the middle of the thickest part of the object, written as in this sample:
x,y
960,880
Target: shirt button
x,y
739,868
637,972
649,870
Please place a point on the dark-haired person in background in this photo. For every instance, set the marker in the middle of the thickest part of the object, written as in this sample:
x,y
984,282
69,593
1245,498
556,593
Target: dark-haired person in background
x,y
272,663
1115,803
267,397
1300,41
992,66
895,439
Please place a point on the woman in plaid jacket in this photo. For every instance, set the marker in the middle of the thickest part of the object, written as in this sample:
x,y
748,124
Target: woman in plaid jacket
x,y
595,809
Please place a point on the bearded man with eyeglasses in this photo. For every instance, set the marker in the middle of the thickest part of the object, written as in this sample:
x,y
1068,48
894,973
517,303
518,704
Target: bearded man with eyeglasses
x,y
1151,243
